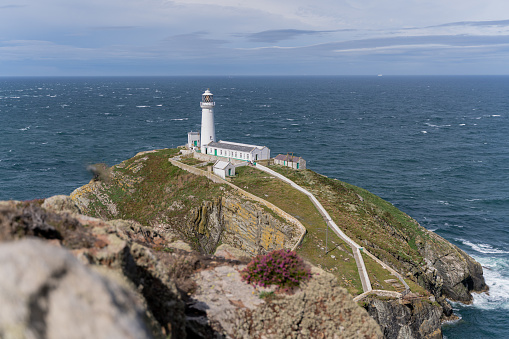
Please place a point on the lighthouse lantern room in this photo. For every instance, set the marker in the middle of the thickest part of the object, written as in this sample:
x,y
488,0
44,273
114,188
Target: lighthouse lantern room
x,y
208,131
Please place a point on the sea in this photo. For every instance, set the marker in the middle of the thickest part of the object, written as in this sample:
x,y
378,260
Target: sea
x,y
437,147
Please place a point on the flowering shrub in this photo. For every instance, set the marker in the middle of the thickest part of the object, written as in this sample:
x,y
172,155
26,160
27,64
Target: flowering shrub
x,y
281,267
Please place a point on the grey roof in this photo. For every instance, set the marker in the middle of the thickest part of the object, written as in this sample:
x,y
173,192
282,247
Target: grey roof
x,y
194,133
221,164
287,157
230,146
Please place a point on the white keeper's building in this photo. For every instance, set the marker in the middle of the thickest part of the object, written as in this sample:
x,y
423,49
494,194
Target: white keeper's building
x,y
206,140
235,150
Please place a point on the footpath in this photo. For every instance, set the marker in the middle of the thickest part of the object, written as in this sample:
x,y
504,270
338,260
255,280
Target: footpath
x,y
363,274
361,267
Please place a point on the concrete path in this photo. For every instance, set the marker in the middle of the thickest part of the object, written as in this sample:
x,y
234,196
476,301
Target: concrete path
x,y
363,273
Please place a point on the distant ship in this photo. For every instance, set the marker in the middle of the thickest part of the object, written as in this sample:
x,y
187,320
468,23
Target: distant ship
x,y
380,75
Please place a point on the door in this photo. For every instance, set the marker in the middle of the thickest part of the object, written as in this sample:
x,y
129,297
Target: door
x,y
215,152
229,172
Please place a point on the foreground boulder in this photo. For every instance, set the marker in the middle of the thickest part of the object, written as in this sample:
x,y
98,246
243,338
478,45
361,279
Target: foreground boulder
x,y
47,293
319,309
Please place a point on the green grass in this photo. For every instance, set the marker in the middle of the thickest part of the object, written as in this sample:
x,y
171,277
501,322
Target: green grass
x,y
385,231
147,195
191,161
298,205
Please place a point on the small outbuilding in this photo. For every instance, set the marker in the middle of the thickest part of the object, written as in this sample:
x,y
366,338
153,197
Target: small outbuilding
x,y
224,169
193,139
290,161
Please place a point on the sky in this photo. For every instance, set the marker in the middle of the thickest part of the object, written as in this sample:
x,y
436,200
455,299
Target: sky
x,y
261,37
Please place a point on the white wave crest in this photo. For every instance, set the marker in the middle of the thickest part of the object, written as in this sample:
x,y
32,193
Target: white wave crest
x,y
483,248
496,274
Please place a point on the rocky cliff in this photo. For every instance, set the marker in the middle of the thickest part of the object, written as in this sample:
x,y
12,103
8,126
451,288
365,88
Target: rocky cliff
x,y
148,189
125,280
417,319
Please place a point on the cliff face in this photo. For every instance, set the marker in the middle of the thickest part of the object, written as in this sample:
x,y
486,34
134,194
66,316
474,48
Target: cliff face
x,y
413,319
449,270
242,224
153,192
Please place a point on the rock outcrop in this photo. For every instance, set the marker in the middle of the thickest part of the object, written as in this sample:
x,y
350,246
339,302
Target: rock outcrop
x,y
47,293
319,309
184,294
240,223
60,203
417,319
449,271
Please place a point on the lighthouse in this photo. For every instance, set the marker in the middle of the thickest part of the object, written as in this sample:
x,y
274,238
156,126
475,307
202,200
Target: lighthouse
x,y
208,131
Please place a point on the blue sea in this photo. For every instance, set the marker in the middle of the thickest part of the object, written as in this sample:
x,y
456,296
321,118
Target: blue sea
x,y
437,147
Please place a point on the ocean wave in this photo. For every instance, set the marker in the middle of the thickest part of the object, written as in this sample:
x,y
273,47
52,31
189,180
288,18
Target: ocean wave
x,y
142,106
482,248
496,275
179,119
437,126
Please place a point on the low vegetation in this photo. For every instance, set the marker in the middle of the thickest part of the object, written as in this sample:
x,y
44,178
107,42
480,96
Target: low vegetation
x,y
282,268
384,230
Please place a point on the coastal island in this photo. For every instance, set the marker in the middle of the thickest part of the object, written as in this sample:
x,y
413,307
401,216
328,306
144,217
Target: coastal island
x,y
176,241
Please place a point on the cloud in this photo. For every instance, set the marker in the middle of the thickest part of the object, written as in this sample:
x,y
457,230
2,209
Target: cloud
x,y
196,41
277,35
500,23
11,6
105,28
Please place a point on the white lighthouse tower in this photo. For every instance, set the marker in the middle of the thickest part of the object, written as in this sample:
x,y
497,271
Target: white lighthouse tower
x,y
208,130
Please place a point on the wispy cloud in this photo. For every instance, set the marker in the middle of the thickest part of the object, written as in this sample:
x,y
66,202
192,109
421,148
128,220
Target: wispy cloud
x,y
501,23
11,6
106,28
277,35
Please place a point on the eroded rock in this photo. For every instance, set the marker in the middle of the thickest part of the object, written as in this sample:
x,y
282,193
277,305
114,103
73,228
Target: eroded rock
x,y
47,293
319,309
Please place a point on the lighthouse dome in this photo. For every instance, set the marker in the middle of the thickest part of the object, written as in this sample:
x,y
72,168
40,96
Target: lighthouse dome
x,y
207,96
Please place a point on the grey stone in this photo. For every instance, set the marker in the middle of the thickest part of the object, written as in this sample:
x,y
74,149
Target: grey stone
x,y
47,293
60,203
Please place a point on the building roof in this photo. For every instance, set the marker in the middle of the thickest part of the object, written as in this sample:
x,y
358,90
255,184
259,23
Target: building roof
x,y
220,164
287,157
193,133
233,146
